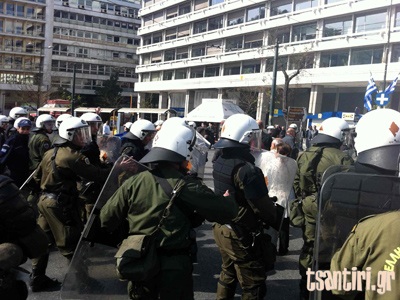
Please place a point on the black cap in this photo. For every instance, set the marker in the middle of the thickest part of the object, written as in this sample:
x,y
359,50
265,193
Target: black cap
x,y
161,154
321,138
227,143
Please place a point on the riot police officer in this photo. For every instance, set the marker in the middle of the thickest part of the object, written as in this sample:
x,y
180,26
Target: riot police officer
x,y
40,141
57,175
15,113
373,242
324,152
141,200
3,127
14,154
20,238
140,134
237,239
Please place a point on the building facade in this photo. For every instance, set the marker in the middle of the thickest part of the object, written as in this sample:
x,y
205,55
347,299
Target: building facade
x,y
195,49
69,44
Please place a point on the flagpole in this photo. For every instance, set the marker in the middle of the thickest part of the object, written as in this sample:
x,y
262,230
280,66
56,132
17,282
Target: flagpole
x,y
387,46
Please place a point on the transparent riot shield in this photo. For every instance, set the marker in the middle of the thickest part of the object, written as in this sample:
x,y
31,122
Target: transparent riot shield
x,y
279,172
110,147
199,155
91,274
344,199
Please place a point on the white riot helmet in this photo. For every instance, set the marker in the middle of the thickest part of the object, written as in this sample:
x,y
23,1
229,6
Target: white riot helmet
x,y
174,144
22,122
62,118
192,124
17,112
294,126
378,139
239,130
76,131
45,121
141,128
3,120
332,131
128,125
159,123
174,122
91,117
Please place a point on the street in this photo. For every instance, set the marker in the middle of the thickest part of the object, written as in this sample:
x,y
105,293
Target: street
x,y
282,283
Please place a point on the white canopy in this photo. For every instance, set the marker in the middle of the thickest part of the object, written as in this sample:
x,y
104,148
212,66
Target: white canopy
x,y
214,110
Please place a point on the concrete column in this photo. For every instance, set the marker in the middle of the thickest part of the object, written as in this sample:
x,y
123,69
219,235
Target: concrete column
x,y
262,107
315,102
189,101
141,96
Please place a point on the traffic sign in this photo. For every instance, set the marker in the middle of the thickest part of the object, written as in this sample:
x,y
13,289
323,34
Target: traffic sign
x,y
382,99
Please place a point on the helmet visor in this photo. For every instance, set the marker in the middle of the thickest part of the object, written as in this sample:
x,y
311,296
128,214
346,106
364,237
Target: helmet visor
x,y
49,126
198,157
82,136
255,139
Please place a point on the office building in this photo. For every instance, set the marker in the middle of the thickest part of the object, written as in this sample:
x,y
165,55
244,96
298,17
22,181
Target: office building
x,y
195,49
69,44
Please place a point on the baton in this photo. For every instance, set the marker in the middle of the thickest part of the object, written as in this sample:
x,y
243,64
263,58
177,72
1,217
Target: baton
x,y
26,181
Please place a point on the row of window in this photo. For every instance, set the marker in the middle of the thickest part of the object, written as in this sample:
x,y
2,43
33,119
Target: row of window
x,y
347,57
331,27
93,21
237,17
22,11
94,37
104,7
21,27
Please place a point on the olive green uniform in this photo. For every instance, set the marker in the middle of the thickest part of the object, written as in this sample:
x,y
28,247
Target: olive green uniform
x,y
141,200
240,240
39,144
375,243
330,156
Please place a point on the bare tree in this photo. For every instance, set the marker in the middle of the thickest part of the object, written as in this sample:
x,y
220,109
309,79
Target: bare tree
x,y
247,97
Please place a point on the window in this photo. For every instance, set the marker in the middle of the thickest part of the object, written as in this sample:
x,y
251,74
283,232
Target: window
x,y
304,4
181,74
337,27
255,13
184,9
215,23
200,27
234,44
182,53
250,67
366,56
232,69
282,34
236,18
183,30
335,59
197,72
157,37
10,9
155,76
172,12
304,32
212,71
395,53
397,17
281,7
253,40
198,51
200,4
168,75
156,57
215,2
282,62
169,55
170,34
371,22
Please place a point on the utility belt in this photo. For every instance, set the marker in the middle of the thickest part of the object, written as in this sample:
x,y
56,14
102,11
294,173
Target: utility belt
x,y
65,207
62,199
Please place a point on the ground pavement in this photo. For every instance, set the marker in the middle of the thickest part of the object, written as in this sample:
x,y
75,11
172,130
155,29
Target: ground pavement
x,y
282,284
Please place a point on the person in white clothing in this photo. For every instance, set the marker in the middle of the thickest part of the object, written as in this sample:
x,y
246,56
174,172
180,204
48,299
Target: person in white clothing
x,y
106,129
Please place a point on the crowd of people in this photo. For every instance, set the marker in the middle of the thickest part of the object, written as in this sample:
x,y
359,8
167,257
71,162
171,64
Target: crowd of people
x,y
53,170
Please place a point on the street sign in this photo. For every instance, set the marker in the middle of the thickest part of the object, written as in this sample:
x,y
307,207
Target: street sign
x,y
382,99
296,114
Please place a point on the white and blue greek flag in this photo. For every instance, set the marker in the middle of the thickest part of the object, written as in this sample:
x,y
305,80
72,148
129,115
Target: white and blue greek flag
x,y
371,88
391,87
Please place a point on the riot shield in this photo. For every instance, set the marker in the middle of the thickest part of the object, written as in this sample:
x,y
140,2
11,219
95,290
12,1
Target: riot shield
x,y
279,172
91,274
110,147
199,155
344,199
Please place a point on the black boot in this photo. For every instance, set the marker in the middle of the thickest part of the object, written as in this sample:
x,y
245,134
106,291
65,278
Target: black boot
x,y
38,279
